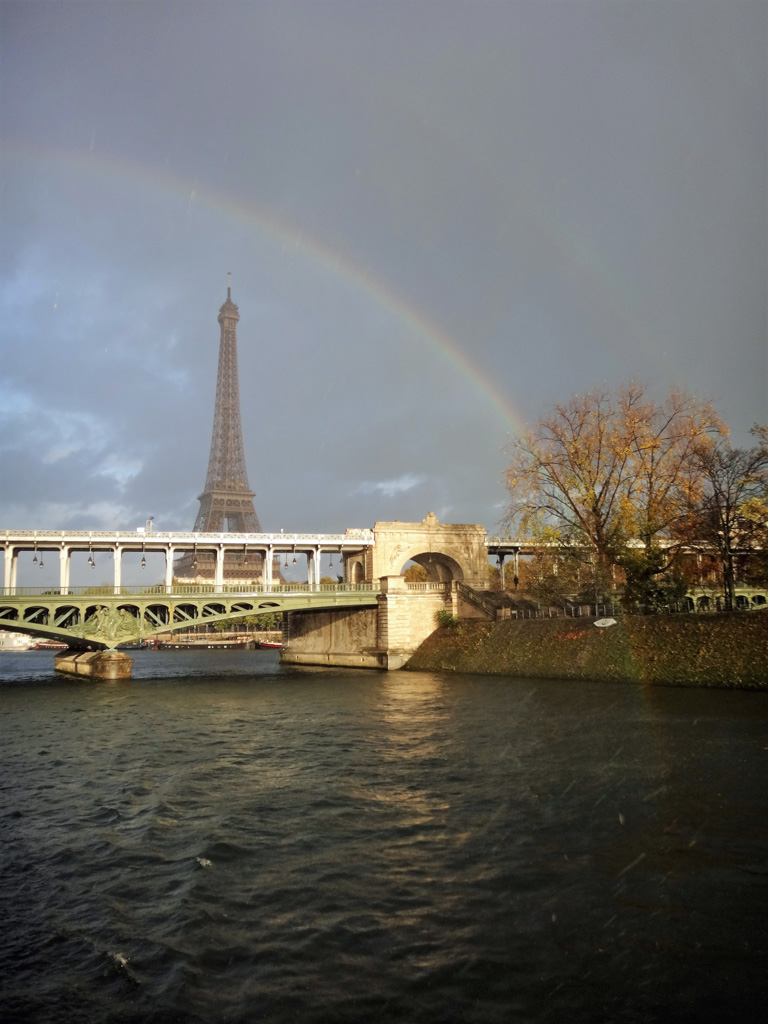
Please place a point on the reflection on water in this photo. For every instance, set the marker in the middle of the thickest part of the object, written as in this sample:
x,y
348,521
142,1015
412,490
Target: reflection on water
x,y
221,839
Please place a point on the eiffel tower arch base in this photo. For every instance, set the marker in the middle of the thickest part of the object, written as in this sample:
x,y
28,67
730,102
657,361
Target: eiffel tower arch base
x,y
227,511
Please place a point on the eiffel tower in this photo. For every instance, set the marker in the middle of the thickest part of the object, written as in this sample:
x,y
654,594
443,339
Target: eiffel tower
x,y
226,504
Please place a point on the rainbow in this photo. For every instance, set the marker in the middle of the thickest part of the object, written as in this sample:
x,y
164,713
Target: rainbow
x,y
333,262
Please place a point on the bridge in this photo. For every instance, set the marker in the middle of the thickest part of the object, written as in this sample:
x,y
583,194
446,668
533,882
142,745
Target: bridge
x,y
429,543
101,617
371,615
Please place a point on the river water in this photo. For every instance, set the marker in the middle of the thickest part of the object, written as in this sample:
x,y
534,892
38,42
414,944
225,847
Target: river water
x,y
222,839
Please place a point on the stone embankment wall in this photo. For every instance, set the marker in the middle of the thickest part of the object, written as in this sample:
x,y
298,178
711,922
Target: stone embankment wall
x,y
344,637
676,650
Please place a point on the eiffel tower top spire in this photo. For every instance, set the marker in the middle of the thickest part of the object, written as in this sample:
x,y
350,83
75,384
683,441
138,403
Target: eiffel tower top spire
x,y
228,303
226,503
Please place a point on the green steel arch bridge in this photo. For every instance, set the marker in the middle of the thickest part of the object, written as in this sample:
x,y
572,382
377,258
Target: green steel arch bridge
x,y
104,617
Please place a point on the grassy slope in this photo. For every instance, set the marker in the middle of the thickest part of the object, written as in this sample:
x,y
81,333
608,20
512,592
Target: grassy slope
x,y
682,650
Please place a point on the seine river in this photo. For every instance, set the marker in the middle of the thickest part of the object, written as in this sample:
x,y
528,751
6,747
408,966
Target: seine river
x,y
221,839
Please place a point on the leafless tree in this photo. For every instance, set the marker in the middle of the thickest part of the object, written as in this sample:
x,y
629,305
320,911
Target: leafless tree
x,y
731,512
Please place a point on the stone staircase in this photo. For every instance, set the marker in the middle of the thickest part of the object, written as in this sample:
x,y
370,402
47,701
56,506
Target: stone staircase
x,y
492,604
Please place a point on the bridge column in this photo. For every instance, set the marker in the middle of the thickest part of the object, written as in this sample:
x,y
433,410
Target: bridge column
x,y
268,560
169,553
64,554
316,565
117,555
219,558
10,567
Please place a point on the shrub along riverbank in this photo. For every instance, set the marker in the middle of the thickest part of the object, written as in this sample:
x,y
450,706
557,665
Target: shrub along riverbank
x,y
675,650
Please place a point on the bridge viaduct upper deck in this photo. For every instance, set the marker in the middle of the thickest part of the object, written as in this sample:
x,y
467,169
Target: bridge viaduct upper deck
x,y
448,551
63,544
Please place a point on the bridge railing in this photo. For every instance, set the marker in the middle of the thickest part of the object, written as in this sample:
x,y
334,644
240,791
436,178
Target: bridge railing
x,y
477,599
282,540
190,590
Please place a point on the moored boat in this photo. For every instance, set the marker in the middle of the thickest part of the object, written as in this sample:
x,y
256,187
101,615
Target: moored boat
x,y
16,642
198,644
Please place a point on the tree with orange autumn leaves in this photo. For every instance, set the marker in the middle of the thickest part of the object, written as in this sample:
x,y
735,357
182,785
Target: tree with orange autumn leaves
x,y
608,475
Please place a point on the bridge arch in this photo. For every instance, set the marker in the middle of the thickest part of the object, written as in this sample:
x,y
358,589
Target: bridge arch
x,y
356,569
185,612
132,609
65,616
36,615
157,615
439,567
447,551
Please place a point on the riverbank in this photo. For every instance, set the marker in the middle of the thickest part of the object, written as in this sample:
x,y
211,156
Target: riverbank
x,y
729,651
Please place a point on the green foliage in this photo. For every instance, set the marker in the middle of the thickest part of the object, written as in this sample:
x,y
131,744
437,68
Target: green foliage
x,y
651,582
265,621
549,578
446,620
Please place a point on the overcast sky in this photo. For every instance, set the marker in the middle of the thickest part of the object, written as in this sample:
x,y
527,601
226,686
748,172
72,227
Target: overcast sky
x,y
440,218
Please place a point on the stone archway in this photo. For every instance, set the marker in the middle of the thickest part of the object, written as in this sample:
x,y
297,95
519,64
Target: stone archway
x,y
448,551
440,568
355,570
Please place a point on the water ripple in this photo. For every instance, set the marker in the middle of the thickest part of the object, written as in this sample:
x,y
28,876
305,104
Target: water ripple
x,y
298,846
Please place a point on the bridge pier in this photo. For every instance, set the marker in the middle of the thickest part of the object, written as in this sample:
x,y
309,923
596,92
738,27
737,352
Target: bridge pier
x,y
383,637
94,664
345,638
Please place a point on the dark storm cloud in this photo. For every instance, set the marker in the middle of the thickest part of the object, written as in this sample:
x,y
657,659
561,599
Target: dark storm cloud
x,y
428,208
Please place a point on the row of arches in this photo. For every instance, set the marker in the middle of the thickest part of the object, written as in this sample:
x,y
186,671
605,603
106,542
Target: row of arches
x,y
126,616
716,602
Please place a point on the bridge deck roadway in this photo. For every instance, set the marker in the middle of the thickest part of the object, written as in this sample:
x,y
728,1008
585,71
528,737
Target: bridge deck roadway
x,y
107,616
